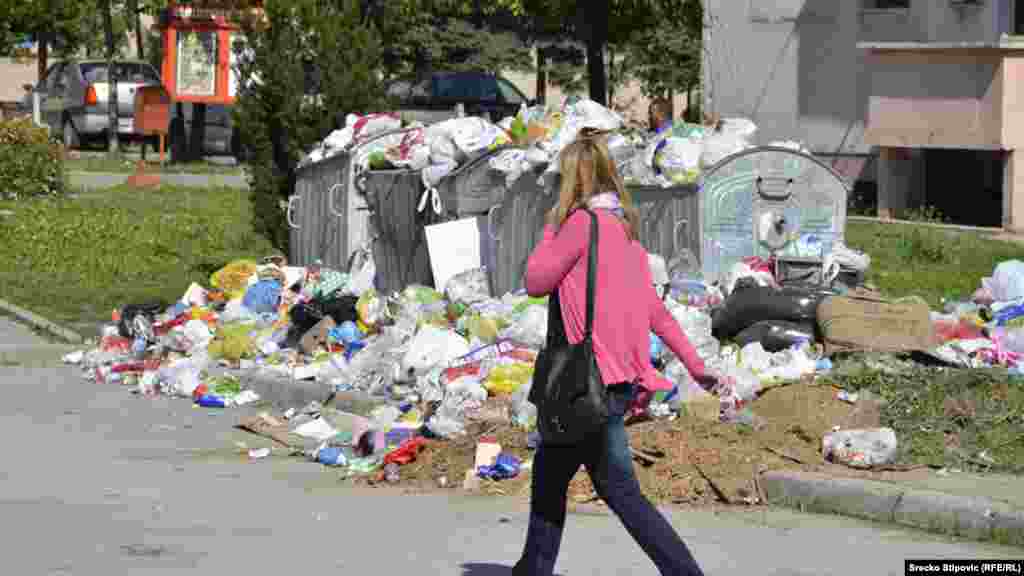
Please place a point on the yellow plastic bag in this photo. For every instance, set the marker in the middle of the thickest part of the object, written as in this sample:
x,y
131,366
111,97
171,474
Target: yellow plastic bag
x,y
507,378
233,279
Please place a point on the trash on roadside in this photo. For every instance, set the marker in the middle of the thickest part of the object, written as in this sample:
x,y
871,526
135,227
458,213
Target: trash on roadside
x,y
861,448
505,466
259,453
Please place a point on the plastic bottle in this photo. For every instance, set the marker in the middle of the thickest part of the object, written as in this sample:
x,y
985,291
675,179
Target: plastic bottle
x,y
861,448
391,473
139,347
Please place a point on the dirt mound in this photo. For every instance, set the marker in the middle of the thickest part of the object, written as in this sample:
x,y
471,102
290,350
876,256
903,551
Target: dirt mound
x,y
689,460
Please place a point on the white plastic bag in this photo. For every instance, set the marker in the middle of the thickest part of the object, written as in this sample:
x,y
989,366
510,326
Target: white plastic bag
x,y
433,174
696,324
181,377
362,280
597,117
755,358
461,396
469,287
524,413
1007,282
432,347
364,127
531,328
861,448
679,158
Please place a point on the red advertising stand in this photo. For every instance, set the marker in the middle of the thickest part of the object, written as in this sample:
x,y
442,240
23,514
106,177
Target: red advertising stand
x,y
198,64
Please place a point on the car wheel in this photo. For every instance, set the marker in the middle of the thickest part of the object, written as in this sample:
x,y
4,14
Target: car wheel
x,y
70,135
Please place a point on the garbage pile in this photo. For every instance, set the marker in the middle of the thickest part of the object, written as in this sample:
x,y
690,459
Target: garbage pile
x,y
988,329
534,137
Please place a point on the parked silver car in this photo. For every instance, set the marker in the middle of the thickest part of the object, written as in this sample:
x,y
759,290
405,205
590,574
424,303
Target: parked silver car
x,y
74,94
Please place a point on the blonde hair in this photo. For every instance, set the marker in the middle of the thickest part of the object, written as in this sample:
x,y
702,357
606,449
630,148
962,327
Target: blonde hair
x,y
587,170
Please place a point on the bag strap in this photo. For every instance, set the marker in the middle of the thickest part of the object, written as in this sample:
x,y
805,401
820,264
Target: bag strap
x,y
591,274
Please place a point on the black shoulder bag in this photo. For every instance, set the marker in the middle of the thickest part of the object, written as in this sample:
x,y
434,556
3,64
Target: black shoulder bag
x,y
570,396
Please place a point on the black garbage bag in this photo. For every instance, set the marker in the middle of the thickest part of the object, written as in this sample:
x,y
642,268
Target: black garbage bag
x,y
776,335
750,303
306,315
149,310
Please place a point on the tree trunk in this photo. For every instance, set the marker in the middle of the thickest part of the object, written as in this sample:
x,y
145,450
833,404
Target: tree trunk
x,y
140,49
198,134
597,20
542,77
108,25
43,56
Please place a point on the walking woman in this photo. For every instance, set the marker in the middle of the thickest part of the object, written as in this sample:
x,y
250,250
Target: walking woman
x,y
627,308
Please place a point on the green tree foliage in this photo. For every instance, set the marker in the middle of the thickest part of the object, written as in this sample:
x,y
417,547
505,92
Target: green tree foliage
x,y
278,121
603,23
666,58
420,35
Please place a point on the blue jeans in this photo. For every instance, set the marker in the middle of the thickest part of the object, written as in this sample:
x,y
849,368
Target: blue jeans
x,y
609,462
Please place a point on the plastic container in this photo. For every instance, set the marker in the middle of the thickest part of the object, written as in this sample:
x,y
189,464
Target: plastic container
x,y
861,448
211,401
331,456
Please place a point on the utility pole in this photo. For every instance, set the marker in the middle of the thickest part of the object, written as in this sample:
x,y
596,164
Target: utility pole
x,y
108,23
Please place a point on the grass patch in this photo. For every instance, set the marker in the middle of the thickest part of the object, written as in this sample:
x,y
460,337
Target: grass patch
x,y
932,263
967,419
74,260
102,163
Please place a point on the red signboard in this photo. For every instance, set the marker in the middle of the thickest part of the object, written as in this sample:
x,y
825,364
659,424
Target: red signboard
x,y
197,40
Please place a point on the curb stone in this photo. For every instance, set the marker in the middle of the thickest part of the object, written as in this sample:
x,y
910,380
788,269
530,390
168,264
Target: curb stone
x,y
975,518
27,317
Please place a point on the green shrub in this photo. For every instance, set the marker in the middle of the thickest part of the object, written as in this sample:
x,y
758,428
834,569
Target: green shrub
x,y
31,165
279,124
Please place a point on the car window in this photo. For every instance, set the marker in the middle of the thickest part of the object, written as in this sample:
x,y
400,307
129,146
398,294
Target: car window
x,y
457,87
489,91
509,93
136,72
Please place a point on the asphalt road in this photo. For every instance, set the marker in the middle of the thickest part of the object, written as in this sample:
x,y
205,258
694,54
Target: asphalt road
x,y
99,481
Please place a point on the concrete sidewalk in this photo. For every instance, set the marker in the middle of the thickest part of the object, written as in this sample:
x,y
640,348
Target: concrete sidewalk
x,y
101,180
985,508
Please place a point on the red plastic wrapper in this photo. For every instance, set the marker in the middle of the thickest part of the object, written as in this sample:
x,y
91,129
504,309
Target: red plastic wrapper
x,y
128,367
116,344
162,328
521,355
454,373
405,453
961,329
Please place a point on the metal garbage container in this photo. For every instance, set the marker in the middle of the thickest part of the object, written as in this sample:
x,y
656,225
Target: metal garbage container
x,y
668,224
328,220
401,207
769,200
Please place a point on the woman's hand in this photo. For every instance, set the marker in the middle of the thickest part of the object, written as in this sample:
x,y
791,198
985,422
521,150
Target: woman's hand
x,y
709,382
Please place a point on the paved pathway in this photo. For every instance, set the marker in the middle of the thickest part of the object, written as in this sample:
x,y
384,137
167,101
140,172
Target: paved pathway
x,y
98,481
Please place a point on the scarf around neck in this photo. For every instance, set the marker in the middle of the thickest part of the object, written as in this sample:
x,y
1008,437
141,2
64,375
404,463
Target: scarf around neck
x,y
606,201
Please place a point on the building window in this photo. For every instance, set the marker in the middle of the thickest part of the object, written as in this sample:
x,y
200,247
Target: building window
x,y
886,4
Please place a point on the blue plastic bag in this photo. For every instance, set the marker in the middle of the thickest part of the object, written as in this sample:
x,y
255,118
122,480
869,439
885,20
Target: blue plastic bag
x,y
505,467
263,296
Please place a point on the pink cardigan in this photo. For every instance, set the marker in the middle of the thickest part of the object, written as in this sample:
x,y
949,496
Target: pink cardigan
x,y
627,306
